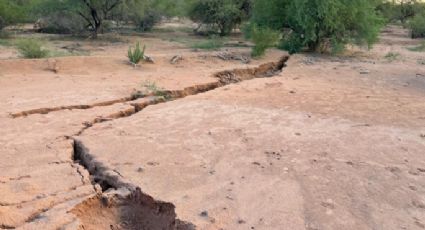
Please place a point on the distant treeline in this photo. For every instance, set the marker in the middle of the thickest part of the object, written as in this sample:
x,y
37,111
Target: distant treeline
x,y
318,25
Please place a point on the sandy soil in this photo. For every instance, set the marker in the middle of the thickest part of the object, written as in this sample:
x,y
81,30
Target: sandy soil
x,y
328,143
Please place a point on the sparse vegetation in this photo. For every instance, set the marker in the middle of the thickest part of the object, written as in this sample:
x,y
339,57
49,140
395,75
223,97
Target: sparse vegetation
x,y
392,56
30,48
153,89
213,43
419,48
136,54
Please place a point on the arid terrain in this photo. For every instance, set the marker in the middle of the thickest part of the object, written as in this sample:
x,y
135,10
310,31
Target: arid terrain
x,y
210,141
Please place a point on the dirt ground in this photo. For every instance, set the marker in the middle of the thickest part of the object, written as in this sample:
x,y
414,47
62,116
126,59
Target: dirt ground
x,y
328,142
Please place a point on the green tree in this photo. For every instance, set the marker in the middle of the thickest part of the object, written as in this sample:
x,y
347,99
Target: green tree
x,y
220,15
319,25
93,12
10,13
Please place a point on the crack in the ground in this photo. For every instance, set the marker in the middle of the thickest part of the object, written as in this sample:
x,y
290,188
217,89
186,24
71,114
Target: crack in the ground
x,y
225,77
71,107
136,209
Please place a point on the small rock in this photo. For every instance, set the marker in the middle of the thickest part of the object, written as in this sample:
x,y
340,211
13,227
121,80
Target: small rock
x,y
152,163
148,59
256,163
176,59
240,221
140,169
328,204
364,71
203,214
98,188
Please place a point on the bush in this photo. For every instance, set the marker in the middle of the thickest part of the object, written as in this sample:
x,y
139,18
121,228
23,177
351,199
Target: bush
x,y
148,21
220,15
137,55
320,25
263,39
2,23
10,13
60,23
417,26
31,49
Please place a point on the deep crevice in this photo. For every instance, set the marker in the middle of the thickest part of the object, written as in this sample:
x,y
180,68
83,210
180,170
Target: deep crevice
x,y
124,205
130,207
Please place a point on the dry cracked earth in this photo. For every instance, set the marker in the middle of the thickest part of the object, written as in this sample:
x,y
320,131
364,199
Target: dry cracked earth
x,y
300,142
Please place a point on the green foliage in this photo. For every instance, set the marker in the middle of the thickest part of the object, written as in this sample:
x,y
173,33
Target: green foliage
x,y
10,12
319,25
400,11
148,21
213,43
263,38
30,48
136,55
151,88
417,26
220,15
61,23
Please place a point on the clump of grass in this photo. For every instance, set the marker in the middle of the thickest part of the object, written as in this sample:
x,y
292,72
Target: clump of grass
x,y
419,48
391,56
30,48
153,89
136,55
213,43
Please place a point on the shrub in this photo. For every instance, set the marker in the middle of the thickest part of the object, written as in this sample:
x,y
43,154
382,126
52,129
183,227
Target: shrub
x,y
31,49
148,21
60,23
417,26
136,55
220,15
263,38
2,23
320,25
10,13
